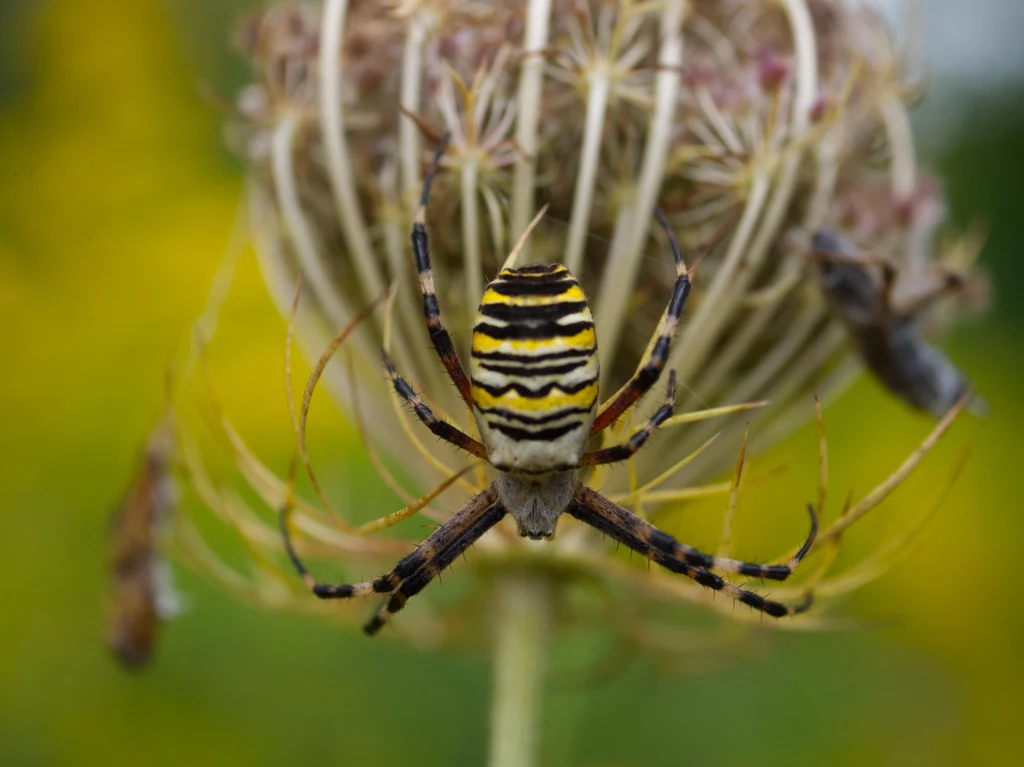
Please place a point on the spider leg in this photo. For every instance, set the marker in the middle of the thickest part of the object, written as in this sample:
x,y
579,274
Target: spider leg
x,y
439,337
442,429
660,547
432,564
637,441
648,375
442,546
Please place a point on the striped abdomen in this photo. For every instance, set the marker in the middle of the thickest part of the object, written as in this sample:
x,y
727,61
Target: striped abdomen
x,y
534,369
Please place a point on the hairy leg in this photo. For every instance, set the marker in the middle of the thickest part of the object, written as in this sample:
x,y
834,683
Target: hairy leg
x,y
648,375
637,441
439,336
464,527
660,547
440,428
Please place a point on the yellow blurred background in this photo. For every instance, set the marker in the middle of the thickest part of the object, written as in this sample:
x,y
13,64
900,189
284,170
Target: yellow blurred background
x,y
117,202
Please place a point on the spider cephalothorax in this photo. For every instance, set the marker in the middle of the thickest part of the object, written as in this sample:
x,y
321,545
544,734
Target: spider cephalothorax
x,y
533,390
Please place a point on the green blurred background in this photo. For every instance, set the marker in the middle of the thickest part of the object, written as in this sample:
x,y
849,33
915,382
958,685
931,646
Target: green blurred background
x,y
116,206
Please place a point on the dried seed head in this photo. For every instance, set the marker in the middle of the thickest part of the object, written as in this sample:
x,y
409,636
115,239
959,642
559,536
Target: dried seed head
x,y
767,121
752,124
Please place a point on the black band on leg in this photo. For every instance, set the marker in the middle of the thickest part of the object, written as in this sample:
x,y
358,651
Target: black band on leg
x,y
648,375
660,547
639,439
429,567
439,337
440,428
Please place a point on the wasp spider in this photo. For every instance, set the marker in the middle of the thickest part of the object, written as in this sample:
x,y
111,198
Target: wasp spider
x,y
533,390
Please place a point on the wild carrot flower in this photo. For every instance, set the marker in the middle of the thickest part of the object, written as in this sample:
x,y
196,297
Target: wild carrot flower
x,y
753,125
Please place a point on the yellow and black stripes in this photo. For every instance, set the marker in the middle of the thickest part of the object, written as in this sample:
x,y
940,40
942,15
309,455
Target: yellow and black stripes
x,y
534,369
533,390
637,441
648,375
660,547
439,337
419,567
440,428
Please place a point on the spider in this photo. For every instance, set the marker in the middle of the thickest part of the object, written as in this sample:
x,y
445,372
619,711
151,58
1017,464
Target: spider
x,y
533,390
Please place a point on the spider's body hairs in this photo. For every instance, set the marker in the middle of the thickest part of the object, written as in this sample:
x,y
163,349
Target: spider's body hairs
x,y
888,340
533,391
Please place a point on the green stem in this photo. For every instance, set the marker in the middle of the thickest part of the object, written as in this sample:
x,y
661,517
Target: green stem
x,y
522,624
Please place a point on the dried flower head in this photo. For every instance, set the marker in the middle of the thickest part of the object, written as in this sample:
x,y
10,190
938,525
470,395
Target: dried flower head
x,y
753,125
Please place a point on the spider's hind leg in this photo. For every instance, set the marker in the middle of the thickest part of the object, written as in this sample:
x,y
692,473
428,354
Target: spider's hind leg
x,y
742,595
432,560
417,568
644,538
382,585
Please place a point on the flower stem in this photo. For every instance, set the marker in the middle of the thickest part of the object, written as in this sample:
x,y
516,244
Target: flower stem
x,y
522,626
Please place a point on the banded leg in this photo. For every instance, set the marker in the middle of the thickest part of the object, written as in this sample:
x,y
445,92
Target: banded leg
x,y
648,375
434,561
440,428
660,547
452,531
439,337
637,441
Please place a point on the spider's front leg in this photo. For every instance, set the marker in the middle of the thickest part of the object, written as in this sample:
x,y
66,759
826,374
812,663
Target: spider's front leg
x,y
644,538
439,336
418,568
648,375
